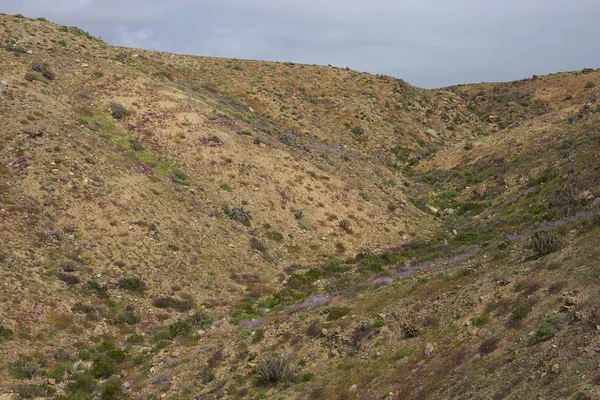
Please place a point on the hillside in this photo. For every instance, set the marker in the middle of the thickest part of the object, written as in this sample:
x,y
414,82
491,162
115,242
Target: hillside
x,y
187,227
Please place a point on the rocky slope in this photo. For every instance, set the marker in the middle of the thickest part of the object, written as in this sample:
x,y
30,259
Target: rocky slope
x,y
187,227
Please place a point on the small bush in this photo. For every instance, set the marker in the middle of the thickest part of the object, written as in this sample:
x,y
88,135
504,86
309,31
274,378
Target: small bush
x,y
117,110
298,214
82,382
520,311
346,225
468,146
274,236
48,74
546,242
33,391
181,178
489,345
338,312
31,77
358,133
38,66
176,304
590,85
112,390
548,328
23,369
257,244
596,213
69,279
274,369
411,331
240,215
226,187
5,334
180,328
135,285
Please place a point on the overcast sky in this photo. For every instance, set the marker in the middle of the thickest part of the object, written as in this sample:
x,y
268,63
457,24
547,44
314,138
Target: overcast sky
x,y
429,43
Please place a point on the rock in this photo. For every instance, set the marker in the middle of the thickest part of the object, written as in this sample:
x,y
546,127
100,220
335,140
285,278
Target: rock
x,y
84,65
5,83
51,381
505,280
483,332
251,365
201,332
584,196
324,332
429,349
353,388
6,396
554,368
570,301
454,232
402,361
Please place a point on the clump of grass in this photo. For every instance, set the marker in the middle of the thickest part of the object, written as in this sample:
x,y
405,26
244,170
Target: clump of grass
x,y
135,285
226,187
546,242
176,304
482,320
298,214
274,369
274,236
181,178
5,334
257,244
338,312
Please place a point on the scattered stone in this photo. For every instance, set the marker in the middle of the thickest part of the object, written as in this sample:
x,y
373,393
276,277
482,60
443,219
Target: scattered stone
x,y
570,301
554,368
51,381
201,332
353,388
505,280
402,361
429,349
324,332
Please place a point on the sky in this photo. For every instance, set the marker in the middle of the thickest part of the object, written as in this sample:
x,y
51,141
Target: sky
x,y
428,43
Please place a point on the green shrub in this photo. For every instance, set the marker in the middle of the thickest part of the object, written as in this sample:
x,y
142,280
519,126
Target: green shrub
x,y
135,285
520,311
358,133
240,215
346,225
170,302
5,334
548,328
546,242
113,390
338,312
180,328
257,244
32,76
259,335
117,110
274,369
482,320
181,178
226,187
33,391
48,74
81,383
274,236
25,368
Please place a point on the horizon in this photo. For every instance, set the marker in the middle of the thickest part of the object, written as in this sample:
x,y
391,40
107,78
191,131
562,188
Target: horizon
x,y
429,45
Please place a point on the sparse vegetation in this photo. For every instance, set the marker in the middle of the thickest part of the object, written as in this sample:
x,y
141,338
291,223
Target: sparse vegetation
x,y
274,369
546,242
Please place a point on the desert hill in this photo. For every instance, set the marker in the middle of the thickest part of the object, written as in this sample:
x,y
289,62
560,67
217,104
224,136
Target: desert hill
x,y
188,227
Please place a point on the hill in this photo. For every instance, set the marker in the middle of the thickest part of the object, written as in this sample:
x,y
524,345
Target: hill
x,y
188,227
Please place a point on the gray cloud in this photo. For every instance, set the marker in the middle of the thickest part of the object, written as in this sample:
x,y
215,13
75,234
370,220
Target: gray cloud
x,y
429,43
